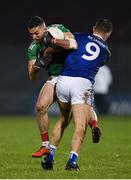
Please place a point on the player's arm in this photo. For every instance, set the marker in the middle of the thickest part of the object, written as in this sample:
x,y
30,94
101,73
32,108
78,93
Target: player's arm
x,y
50,51
33,69
32,59
35,63
34,66
68,42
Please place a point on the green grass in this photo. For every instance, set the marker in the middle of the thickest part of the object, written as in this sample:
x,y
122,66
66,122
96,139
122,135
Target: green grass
x,y
111,158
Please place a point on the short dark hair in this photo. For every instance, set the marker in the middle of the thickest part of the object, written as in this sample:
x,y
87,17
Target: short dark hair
x,y
35,21
104,25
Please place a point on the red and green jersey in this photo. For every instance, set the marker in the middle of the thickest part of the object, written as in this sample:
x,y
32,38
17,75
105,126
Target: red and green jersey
x,y
36,50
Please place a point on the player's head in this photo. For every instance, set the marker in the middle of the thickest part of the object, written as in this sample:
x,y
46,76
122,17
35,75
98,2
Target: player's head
x,y
103,27
36,27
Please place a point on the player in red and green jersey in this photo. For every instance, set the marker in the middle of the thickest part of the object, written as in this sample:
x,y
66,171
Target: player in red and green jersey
x,y
37,49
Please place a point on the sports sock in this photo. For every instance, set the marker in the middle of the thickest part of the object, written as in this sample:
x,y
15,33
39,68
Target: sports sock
x,y
93,123
52,152
45,139
73,157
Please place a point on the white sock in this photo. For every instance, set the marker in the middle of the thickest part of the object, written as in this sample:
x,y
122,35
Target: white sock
x,y
45,143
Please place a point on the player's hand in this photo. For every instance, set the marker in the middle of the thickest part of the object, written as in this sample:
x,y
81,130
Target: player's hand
x,y
48,38
43,62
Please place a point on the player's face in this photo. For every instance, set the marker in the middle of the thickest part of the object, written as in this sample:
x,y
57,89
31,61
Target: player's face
x,y
37,32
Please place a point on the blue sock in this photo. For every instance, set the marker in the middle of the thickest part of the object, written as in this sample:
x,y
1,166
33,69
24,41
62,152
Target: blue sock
x,y
73,157
52,153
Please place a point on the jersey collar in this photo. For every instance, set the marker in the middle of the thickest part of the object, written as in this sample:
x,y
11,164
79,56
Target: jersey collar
x,y
98,36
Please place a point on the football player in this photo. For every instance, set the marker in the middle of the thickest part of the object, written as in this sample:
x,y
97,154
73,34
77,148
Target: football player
x,y
75,86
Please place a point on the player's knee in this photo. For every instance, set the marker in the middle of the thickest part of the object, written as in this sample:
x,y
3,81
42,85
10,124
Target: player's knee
x,y
40,109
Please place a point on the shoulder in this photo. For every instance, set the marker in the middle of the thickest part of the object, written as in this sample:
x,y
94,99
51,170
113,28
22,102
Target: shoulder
x,y
80,36
32,50
33,45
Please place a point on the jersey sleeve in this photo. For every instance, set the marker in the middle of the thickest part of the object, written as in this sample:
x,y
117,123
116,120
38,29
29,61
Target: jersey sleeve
x,y
32,51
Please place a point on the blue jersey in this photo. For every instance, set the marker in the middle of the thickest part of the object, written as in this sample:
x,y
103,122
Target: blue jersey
x,y
85,62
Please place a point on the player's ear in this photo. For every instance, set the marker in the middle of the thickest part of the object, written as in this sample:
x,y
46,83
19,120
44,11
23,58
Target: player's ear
x,y
94,27
108,35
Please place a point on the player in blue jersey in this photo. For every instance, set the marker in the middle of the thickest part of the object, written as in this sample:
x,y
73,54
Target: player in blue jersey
x,y
75,87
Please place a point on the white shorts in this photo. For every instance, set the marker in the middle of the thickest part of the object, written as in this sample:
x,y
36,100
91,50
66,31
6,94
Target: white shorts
x,y
74,90
52,80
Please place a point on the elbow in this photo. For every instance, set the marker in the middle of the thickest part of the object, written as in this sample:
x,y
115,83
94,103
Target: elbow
x,y
32,74
32,77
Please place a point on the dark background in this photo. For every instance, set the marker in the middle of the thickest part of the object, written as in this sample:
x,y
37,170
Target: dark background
x,y
77,15
17,93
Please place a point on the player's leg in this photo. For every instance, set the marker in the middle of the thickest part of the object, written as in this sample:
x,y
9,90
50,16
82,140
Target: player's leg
x,y
96,132
61,124
57,134
81,115
81,100
63,94
62,91
45,99
93,121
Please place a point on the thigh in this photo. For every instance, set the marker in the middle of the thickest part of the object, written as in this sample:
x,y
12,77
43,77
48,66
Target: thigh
x,y
81,91
81,115
47,95
62,89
